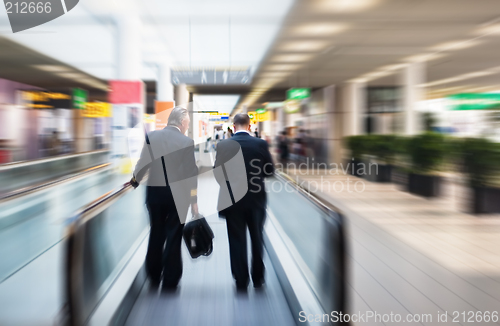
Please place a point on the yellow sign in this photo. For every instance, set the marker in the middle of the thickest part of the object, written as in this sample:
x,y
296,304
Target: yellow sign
x,y
258,117
149,118
97,110
263,116
39,96
219,113
253,116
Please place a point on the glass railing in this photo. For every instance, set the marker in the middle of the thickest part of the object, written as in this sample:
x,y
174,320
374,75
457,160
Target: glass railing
x,y
32,221
314,231
102,238
14,176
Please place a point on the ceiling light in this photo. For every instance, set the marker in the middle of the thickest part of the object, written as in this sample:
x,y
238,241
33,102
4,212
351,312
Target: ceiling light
x,y
376,74
358,80
482,89
274,74
344,5
281,67
488,30
52,68
318,29
303,46
291,57
393,67
455,45
459,78
71,75
424,57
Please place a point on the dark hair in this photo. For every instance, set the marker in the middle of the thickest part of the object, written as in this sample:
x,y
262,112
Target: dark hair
x,y
241,119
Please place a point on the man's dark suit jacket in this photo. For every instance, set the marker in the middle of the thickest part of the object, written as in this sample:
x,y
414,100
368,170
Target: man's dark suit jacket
x,y
258,165
178,164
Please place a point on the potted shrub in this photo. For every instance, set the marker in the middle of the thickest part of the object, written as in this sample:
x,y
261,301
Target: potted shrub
x,y
357,147
426,153
384,148
481,158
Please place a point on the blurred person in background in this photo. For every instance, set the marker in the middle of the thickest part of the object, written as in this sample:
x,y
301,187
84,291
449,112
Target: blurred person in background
x,y
165,214
55,144
256,132
283,147
250,211
296,149
229,132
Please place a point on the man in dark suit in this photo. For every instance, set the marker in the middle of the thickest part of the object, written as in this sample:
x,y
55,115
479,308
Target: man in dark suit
x,y
168,155
247,209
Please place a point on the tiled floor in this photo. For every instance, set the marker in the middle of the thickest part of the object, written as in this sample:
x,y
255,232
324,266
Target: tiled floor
x,y
411,255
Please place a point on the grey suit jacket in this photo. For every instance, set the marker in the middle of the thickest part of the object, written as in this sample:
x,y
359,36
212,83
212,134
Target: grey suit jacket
x,y
178,163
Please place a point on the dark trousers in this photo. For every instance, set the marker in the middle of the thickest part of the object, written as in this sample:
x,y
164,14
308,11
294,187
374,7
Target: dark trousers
x,y
237,222
165,226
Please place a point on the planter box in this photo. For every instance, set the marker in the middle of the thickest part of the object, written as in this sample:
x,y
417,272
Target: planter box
x,y
424,185
354,166
486,200
378,173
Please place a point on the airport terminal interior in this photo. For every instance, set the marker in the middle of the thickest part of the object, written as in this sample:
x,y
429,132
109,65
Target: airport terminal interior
x,y
382,119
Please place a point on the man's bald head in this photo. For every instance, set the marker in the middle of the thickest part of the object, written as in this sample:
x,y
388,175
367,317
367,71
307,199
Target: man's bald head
x,y
241,121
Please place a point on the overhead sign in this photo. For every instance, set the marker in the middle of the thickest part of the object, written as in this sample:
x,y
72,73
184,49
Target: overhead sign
x,y
97,110
292,106
261,110
162,112
79,98
126,92
273,105
255,116
218,116
46,100
210,76
474,101
298,93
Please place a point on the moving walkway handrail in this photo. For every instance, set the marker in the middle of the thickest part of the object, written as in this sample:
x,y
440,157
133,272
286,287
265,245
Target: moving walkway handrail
x,y
31,189
336,216
318,201
18,164
75,248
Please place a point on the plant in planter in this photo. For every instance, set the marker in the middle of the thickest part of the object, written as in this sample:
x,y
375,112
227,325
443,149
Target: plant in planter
x,y
357,146
480,159
426,152
384,149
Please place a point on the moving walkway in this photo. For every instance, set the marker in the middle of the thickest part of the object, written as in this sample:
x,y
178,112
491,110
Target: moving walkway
x,y
105,281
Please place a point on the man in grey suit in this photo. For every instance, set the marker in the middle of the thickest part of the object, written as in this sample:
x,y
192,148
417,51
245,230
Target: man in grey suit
x,y
168,155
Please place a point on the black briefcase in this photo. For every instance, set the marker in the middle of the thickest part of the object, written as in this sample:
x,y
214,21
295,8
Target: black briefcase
x,y
198,237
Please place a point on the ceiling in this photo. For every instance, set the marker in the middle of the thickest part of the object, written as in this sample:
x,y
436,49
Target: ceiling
x,y
21,64
193,33
219,103
331,42
286,43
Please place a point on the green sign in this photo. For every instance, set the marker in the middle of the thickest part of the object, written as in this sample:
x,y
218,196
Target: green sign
x,y
474,101
298,93
292,106
261,110
79,98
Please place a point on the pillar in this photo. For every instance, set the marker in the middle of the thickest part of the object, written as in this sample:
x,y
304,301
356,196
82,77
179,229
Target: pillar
x,y
181,95
164,87
353,108
129,54
412,79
